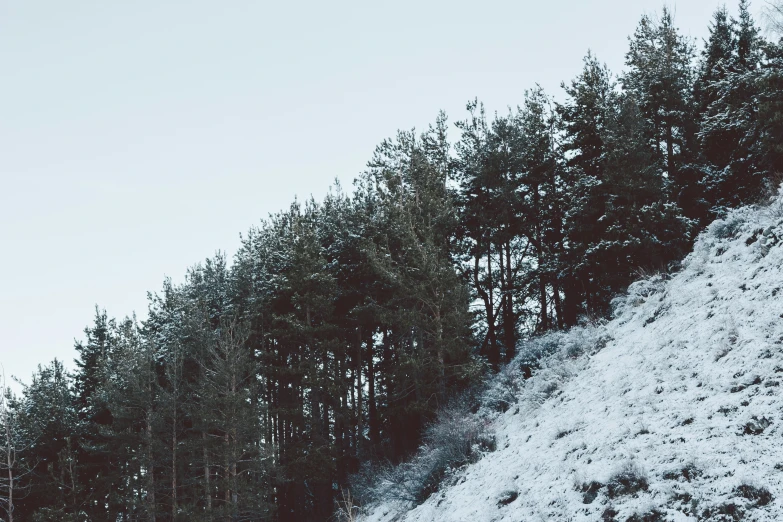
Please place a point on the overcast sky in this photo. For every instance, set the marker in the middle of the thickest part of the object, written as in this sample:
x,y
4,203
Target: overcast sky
x,y
137,138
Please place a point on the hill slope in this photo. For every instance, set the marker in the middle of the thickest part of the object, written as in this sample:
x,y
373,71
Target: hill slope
x,y
673,410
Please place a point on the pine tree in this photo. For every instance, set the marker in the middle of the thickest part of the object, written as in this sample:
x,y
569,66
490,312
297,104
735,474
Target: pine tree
x,y
584,119
660,77
11,445
748,39
729,127
542,210
489,170
233,463
428,307
53,486
641,230
97,467
129,392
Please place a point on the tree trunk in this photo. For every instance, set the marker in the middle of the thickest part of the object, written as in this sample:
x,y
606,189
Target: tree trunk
x,y
670,152
151,508
207,488
375,432
509,320
570,301
359,390
490,342
174,467
558,305
9,463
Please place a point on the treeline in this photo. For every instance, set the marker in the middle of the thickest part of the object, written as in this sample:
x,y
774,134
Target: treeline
x,y
254,390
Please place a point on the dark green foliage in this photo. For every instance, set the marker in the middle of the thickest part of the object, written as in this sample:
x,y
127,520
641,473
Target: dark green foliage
x,y
48,423
590,491
650,516
660,79
628,481
760,496
740,111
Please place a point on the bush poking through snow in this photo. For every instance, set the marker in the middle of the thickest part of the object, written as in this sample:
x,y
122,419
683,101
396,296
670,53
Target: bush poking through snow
x,y
728,227
457,438
590,491
627,481
756,426
760,496
688,473
650,516
609,514
642,290
541,367
347,510
507,497
728,512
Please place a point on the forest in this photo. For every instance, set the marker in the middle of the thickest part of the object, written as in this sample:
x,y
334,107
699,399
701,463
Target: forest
x,y
258,387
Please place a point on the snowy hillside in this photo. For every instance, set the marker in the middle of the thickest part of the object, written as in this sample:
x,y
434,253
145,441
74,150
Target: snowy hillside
x,y
671,411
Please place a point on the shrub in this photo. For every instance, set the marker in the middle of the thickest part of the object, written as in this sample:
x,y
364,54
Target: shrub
x,y
640,291
458,437
627,481
650,516
730,511
689,472
759,495
608,515
347,511
727,228
590,491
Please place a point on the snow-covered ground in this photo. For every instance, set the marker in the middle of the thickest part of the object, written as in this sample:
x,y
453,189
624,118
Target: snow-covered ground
x,y
673,412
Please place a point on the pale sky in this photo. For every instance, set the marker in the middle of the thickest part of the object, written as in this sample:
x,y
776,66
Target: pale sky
x,y
137,138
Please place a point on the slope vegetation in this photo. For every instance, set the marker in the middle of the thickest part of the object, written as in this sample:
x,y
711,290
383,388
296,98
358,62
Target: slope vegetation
x,y
673,410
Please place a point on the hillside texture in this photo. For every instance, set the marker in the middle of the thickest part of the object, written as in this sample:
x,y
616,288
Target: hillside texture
x,y
673,410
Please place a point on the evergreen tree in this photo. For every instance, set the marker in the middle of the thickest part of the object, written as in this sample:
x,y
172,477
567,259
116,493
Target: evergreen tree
x,y
489,170
54,487
428,310
748,40
640,229
542,208
12,444
730,131
660,78
98,468
584,118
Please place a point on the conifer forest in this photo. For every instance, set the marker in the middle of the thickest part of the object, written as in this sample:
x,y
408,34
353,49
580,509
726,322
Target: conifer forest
x,y
264,386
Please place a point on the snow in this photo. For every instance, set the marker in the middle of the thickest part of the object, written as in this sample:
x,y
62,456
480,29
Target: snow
x,y
682,388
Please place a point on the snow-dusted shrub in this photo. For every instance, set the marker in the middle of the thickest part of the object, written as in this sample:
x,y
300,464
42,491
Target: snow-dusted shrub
x,y
639,292
727,228
653,515
503,390
760,496
688,472
539,351
541,366
590,491
458,437
628,480
347,510
608,514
